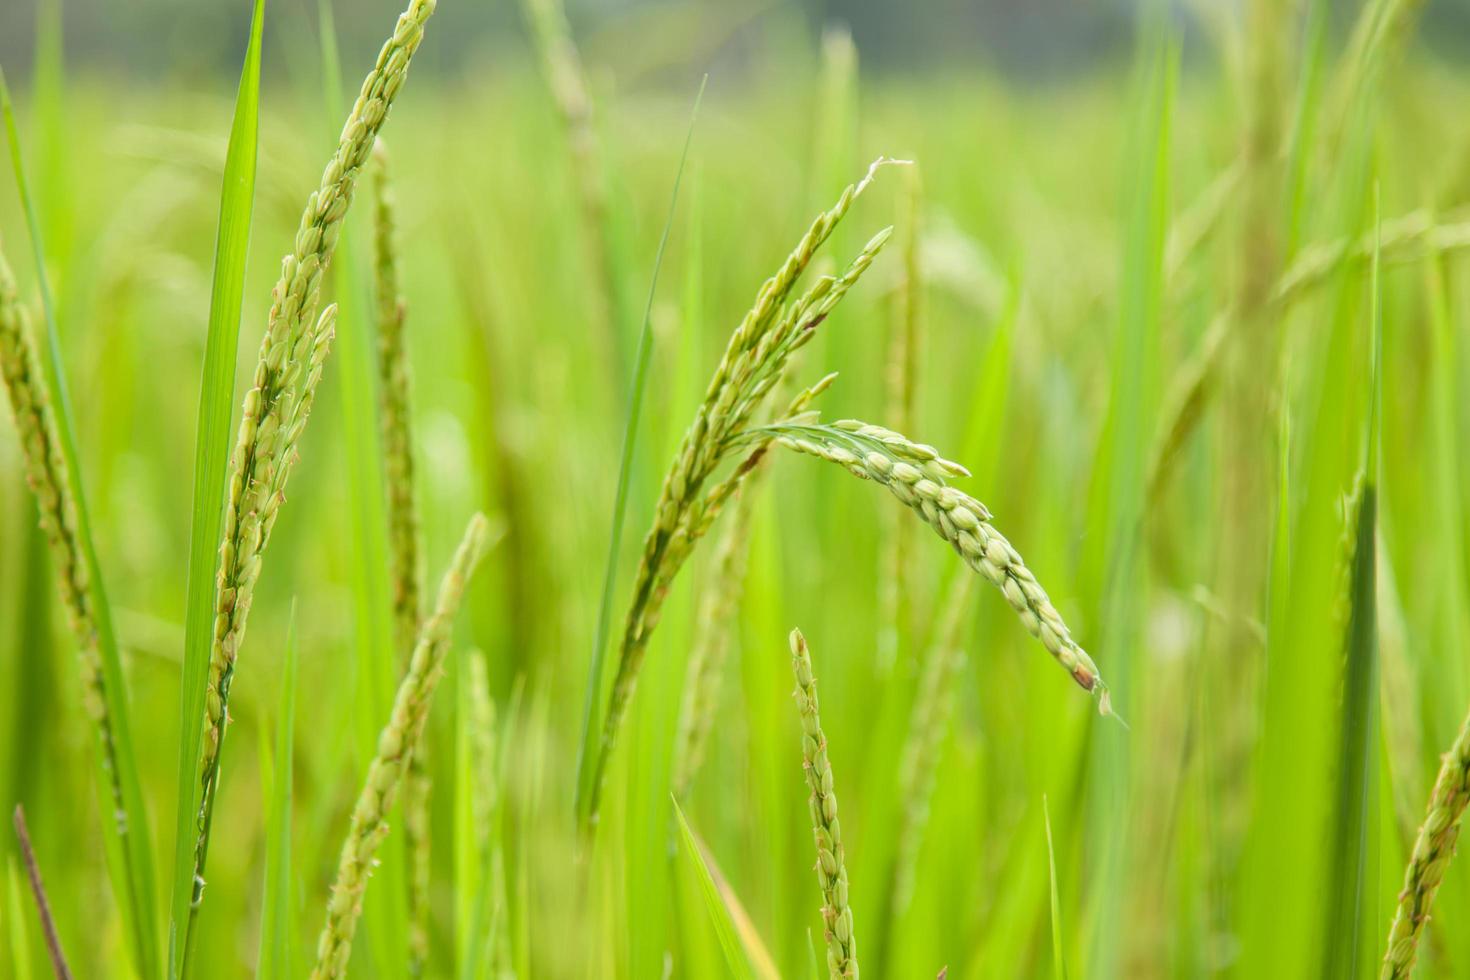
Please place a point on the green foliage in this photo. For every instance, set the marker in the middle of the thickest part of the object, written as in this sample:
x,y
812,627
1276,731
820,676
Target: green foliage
x,y
1257,819
211,458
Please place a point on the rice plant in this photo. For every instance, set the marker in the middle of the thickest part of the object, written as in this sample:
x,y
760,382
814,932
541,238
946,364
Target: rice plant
x,y
1179,289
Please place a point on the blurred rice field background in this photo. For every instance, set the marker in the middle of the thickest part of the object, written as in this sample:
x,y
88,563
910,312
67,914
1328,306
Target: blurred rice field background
x,y
1144,303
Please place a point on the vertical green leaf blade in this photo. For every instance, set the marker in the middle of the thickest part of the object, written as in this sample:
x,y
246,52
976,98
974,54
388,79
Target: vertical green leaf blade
x,y
1058,962
587,768
130,857
725,929
276,921
1355,845
211,458
20,943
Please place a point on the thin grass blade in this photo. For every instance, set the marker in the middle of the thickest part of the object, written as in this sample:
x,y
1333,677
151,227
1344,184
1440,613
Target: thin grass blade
x,y
276,920
1058,961
20,941
211,459
591,723
1355,851
732,942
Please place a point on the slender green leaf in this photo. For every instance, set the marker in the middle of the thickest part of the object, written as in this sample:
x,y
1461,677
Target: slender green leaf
x,y
20,940
276,920
1058,962
1116,569
714,902
130,857
1354,866
211,460
591,715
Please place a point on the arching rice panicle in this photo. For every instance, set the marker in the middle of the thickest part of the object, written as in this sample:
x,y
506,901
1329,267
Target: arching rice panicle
x,y
1433,849
45,470
399,739
754,361
918,476
831,863
292,353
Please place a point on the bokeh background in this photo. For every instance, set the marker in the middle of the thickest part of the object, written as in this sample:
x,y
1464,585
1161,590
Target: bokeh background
x,y
1119,205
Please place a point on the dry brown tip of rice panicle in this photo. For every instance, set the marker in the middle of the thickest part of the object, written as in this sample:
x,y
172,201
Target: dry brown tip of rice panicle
x,y
754,362
399,739
47,476
827,832
292,354
919,477
1433,848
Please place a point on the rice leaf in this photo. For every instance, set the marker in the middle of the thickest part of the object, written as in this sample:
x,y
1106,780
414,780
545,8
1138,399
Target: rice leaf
x,y
211,459
130,855
721,915
1116,571
1058,962
276,920
1355,844
20,942
591,722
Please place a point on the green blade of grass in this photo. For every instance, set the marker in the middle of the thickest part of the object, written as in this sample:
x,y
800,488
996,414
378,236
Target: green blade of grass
x,y
1058,963
591,721
130,857
211,458
276,920
1355,851
736,957
20,942
55,196
1116,570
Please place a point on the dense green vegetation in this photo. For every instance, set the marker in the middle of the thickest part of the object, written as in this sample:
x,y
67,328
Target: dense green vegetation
x,y
1196,329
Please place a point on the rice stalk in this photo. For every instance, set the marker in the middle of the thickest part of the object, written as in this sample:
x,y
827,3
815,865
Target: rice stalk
x,y
831,863
1199,221
46,474
929,722
483,753
901,366
292,354
481,933
394,382
398,741
1407,239
719,604
715,623
38,894
567,79
754,361
1433,848
1378,38
918,476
